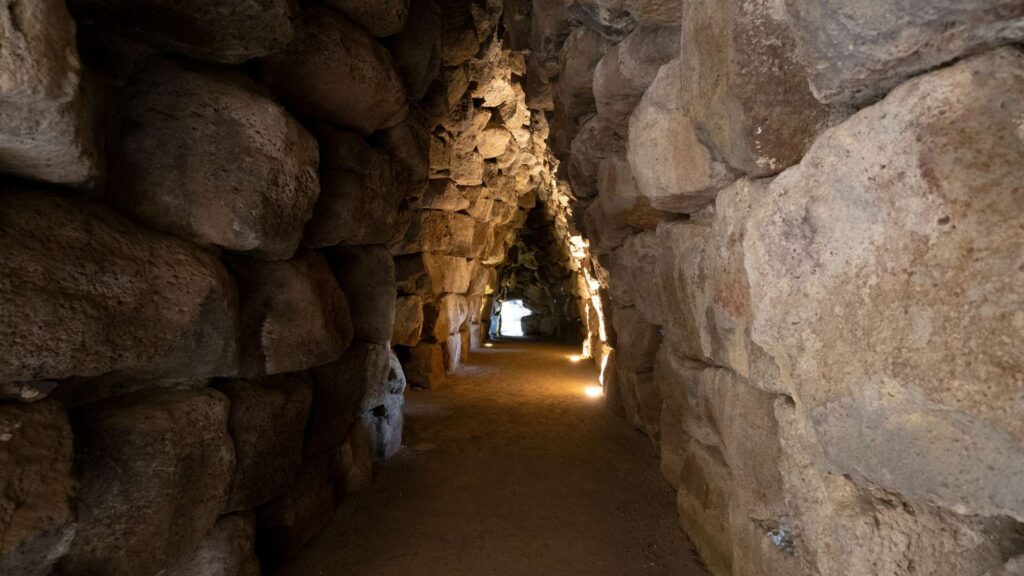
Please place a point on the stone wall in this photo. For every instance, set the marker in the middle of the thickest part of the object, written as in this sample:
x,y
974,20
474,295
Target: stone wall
x,y
229,230
807,218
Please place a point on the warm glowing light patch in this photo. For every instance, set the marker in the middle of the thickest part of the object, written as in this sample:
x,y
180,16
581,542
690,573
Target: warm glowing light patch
x,y
488,345
593,392
575,358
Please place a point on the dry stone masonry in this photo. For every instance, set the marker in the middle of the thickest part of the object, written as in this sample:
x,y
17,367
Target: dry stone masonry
x,y
789,234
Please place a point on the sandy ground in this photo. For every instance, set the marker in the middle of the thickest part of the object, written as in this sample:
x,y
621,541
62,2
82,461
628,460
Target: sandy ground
x,y
510,470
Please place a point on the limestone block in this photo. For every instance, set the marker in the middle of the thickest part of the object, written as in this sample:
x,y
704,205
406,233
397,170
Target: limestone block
x,y
493,141
293,314
227,550
703,505
224,32
641,400
417,48
379,17
425,366
444,317
621,199
633,281
337,73
672,167
141,460
881,44
743,88
594,142
637,341
408,142
366,275
361,193
36,487
267,422
339,391
45,123
408,321
605,232
205,156
885,274
616,18
581,52
449,233
628,69
443,194
287,524
131,301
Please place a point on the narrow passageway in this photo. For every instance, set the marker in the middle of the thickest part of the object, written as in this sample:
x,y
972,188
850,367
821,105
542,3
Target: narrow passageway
x,y
510,469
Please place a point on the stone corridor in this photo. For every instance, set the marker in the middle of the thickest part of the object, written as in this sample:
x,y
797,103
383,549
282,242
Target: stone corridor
x,y
510,469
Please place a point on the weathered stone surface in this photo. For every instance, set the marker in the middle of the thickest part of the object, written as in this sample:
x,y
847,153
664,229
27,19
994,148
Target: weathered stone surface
x,y
449,233
641,400
616,18
417,48
227,550
337,73
885,274
703,504
582,51
637,340
293,315
339,389
605,232
287,524
130,301
385,420
186,130
226,32
633,277
267,422
360,195
408,142
443,194
444,317
452,350
743,88
493,141
379,17
595,142
881,44
856,530
628,69
45,130
408,321
367,276
704,289
425,366
141,460
621,199
433,273
672,168
357,460
36,487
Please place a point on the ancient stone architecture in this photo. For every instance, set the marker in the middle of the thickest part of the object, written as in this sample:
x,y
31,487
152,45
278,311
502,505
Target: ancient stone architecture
x,y
788,233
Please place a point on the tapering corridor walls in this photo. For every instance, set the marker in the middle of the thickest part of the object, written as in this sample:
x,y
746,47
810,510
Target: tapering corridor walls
x,y
789,234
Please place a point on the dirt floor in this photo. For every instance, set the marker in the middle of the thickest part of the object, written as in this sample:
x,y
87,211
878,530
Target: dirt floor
x,y
510,469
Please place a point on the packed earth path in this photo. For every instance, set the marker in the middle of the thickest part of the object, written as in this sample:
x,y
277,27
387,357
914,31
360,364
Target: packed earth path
x,y
510,469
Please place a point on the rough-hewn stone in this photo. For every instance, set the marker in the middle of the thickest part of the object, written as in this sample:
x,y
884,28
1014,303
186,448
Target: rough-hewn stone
x,y
337,73
367,276
287,524
425,366
417,48
880,44
628,69
339,389
205,156
444,317
582,51
293,315
36,487
595,142
433,273
672,167
885,274
153,472
227,550
223,32
379,17
45,124
450,233
130,301
267,422
408,321
361,193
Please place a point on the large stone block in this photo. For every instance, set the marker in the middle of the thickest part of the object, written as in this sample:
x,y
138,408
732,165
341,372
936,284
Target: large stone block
x,y
408,321
582,51
227,550
287,524
130,301
293,314
672,167
361,193
880,44
433,273
450,233
367,276
861,530
379,17
339,393
425,366
337,73
153,472
742,87
703,505
628,69
45,130
36,487
267,422
417,48
384,420
633,280
225,32
641,400
885,273
595,142
636,340
704,288
444,317
205,156
621,199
